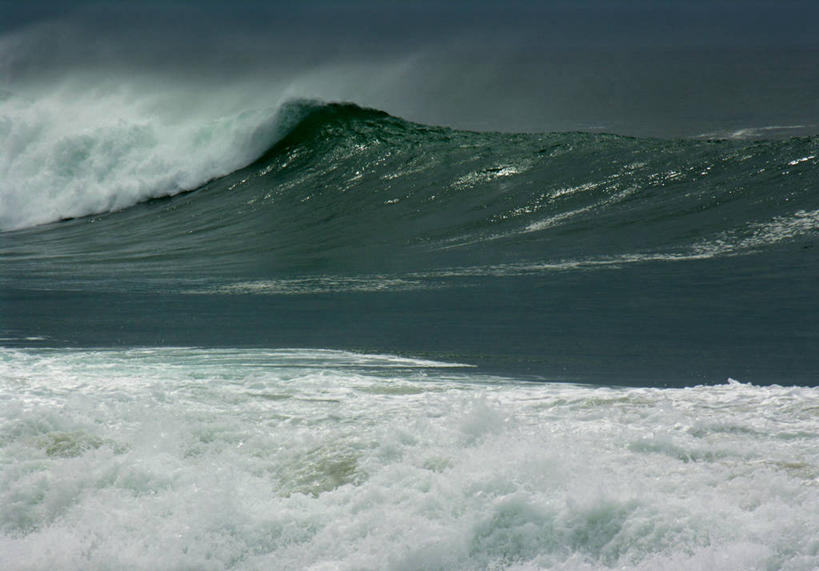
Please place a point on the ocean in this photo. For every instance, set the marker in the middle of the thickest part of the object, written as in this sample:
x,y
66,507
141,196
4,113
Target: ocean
x,y
323,323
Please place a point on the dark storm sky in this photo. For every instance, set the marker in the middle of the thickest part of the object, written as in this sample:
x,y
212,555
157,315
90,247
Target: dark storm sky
x,y
636,67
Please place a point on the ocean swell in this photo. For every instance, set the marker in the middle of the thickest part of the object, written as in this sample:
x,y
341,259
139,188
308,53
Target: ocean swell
x,y
564,255
354,189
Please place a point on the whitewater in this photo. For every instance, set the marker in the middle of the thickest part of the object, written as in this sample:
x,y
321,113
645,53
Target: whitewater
x,y
303,459
74,152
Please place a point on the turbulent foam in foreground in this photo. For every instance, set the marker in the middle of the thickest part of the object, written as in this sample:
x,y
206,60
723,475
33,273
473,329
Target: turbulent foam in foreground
x,y
294,459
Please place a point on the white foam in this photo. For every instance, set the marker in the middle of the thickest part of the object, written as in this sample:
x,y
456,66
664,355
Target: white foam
x,y
801,223
795,162
758,132
313,285
487,175
188,458
80,150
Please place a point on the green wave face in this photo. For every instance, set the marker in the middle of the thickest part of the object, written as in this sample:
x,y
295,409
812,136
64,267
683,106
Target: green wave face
x,y
358,190
565,255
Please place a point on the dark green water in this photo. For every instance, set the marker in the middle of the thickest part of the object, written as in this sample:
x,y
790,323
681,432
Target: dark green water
x,y
569,256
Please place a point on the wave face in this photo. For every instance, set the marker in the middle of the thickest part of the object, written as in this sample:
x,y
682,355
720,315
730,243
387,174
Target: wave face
x,y
345,183
571,240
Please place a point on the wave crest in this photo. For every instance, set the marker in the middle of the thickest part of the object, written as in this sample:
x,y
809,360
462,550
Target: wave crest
x,y
68,155
338,184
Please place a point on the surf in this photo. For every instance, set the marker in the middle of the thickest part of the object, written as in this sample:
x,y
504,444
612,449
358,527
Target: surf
x,y
71,153
309,179
298,458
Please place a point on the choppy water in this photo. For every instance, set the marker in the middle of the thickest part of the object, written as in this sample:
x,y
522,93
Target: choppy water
x,y
293,459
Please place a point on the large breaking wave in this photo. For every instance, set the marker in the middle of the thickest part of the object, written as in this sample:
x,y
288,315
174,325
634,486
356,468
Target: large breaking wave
x,y
341,185
69,154
564,255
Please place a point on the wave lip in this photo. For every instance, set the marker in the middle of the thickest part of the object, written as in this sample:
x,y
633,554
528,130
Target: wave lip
x,y
67,158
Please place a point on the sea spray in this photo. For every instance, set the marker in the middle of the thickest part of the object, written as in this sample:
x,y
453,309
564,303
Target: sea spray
x,y
73,152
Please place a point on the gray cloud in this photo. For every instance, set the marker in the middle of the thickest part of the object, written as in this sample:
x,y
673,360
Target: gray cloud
x,y
637,67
